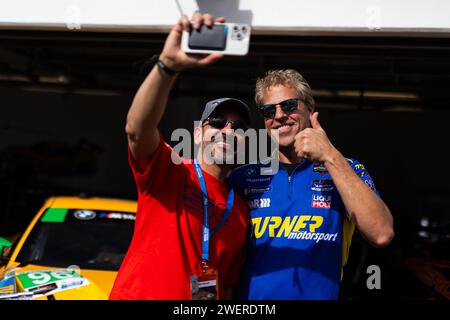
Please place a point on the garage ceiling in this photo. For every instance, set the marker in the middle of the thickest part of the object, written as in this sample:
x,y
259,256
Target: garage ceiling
x,y
403,74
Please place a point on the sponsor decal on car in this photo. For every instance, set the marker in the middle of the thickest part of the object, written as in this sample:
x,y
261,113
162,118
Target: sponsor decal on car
x,y
85,214
8,285
117,215
47,282
53,215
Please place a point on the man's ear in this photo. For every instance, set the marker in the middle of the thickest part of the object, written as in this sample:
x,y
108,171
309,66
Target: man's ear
x,y
198,135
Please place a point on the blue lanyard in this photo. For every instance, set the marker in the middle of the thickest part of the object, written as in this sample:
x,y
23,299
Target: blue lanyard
x,y
206,235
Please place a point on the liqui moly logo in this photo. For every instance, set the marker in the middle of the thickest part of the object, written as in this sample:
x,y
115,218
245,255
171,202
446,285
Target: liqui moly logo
x,y
321,201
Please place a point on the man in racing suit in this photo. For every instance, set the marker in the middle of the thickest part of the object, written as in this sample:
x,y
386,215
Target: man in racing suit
x,y
304,213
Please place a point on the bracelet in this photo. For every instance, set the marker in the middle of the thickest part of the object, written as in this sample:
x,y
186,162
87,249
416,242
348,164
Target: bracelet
x,y
166,69
162,66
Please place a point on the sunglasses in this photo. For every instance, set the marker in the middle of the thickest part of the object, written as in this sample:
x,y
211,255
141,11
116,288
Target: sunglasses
x,y
288,106
220,123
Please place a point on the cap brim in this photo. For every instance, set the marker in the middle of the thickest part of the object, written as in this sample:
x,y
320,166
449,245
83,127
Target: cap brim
x,y
236,105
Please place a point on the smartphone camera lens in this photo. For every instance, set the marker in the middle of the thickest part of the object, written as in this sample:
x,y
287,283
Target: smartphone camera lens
x,y
244,29
239,36
236,28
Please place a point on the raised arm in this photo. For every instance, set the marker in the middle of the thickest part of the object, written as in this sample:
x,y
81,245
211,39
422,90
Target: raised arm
x,y
369,213
150,101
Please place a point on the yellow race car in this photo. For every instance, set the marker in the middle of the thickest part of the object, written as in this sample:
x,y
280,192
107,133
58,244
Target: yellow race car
x,y
71,250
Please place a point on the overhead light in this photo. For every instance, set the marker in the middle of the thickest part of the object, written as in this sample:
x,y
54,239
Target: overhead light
x,y
403,109
20,78
391,95
67,90
60,79
423,234
366,94
424,222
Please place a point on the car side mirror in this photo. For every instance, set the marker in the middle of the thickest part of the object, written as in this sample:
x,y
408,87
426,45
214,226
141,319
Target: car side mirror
x,y
4,247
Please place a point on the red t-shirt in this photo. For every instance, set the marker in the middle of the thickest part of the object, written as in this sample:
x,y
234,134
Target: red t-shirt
x,y
166,246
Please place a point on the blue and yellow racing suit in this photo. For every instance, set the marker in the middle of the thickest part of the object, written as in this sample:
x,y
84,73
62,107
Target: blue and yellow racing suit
x,y
301,232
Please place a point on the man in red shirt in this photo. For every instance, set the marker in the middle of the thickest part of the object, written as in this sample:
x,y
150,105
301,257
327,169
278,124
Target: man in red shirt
x,y
174,245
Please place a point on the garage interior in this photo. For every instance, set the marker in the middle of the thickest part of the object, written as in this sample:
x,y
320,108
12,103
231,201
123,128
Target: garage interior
x,y
382,100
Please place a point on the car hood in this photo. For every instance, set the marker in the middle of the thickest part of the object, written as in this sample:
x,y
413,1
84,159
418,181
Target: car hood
x,y
43,282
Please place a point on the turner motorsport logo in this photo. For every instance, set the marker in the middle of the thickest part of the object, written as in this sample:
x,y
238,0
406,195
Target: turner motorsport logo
x,y
321,201
299,227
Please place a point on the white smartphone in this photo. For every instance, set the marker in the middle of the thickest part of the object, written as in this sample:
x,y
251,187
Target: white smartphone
x,y
226,38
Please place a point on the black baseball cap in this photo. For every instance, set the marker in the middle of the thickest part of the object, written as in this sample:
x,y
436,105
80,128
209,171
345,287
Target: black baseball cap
x,y
225,103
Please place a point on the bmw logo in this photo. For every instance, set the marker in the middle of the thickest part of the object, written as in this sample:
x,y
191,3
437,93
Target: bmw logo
x,y
85,214
251,172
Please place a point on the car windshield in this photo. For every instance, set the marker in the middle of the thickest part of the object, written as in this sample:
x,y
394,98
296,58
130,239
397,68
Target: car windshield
x,y
89,239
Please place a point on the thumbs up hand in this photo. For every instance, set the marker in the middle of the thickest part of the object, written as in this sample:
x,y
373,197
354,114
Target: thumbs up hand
x,y
314,119
313,143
